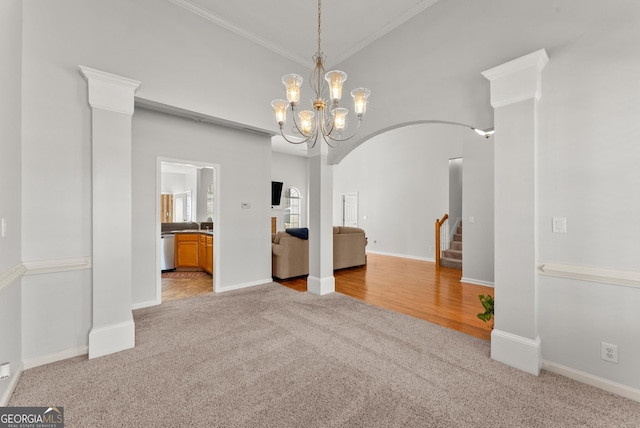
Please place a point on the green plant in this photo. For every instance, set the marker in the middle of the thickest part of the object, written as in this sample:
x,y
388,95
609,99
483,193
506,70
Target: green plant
x,y
487,303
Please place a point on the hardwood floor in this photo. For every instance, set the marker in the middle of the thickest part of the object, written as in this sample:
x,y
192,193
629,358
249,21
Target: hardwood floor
x,y
413,287
173,288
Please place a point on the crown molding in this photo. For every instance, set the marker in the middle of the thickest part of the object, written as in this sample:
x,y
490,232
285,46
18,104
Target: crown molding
x,y
203,13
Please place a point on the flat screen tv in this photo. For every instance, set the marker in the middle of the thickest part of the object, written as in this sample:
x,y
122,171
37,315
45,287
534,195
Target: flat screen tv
x,y
276,192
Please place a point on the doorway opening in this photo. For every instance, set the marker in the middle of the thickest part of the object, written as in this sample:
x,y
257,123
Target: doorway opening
x,y
187,211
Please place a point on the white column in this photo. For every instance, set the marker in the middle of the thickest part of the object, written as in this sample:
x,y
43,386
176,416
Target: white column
x,y
111,99
321,280
515,91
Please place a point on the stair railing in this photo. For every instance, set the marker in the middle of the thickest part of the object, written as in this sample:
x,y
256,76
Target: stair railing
x,y
439,224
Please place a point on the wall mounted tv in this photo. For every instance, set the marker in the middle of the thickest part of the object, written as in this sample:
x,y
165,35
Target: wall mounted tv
x,y
276,192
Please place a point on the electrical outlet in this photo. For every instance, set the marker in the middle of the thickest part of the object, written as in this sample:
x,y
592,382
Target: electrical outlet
x,y
609,352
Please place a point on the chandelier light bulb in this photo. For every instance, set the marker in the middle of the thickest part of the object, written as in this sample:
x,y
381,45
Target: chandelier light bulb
x,y
292,83
306,121
335,79
360,96
280,110
340,119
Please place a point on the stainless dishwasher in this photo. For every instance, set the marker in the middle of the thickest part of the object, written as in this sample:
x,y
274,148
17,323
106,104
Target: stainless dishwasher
x,y
167,252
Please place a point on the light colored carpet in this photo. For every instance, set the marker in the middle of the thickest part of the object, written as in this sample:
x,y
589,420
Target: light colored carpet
x,y
273,357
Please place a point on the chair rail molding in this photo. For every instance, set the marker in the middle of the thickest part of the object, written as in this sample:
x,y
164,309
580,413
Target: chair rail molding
x,y
9,276
626,278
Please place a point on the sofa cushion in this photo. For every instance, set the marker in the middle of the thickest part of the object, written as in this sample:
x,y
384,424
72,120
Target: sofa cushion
x,y
298,232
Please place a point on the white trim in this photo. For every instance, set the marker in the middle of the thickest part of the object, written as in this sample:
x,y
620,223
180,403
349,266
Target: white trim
x,y
112,338
304,61
402,256
185,4
516,351
56,356
109,91
12,275
517,80
589,379
37,267
538,59
244,285
13,382
476,281
321,286
626,278
146,304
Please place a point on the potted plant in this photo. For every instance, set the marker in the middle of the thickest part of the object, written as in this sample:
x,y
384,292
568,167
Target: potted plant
x,y
487,303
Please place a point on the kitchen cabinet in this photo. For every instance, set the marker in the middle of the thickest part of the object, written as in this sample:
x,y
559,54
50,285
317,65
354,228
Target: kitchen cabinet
x,y
202,252
209,254
187,248
194,250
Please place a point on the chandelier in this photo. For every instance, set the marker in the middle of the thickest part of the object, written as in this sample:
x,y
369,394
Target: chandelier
x,y
328,118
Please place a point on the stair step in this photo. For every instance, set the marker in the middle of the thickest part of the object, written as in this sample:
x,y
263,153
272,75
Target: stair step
x,y
459,230
456,245
450,263
452,254
457,237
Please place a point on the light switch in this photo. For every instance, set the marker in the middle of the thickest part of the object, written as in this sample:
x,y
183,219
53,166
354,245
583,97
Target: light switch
x,y
559,225
4,227
472,219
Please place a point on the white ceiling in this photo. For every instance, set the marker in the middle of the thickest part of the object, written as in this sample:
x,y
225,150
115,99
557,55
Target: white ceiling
x,y
290,27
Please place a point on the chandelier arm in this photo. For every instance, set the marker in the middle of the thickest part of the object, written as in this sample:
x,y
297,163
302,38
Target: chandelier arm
x,y
291,141
327,139
329,135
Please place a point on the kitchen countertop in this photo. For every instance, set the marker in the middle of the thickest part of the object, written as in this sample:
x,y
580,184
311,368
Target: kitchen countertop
x,y
203,231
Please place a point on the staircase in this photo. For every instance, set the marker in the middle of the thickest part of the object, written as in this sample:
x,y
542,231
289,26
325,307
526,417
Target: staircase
x,y
453,256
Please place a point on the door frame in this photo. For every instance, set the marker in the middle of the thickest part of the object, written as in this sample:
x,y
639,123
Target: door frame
x,y
342,205
215,286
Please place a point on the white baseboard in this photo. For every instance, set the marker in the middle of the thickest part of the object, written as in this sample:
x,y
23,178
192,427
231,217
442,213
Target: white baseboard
x,y
321,286
402,256
13,382
146,304
112,338
517,351
57,356
589,379
243,285
476,281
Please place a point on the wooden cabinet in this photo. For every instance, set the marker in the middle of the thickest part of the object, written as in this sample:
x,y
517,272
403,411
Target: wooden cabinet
x,y
209,254
194,250
187,249
202,252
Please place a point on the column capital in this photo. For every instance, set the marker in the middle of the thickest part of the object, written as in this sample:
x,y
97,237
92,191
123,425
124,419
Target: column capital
x,y
109,91
517,80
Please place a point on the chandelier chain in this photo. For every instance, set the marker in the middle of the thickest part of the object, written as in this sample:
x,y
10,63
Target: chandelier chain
x,y
319,20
